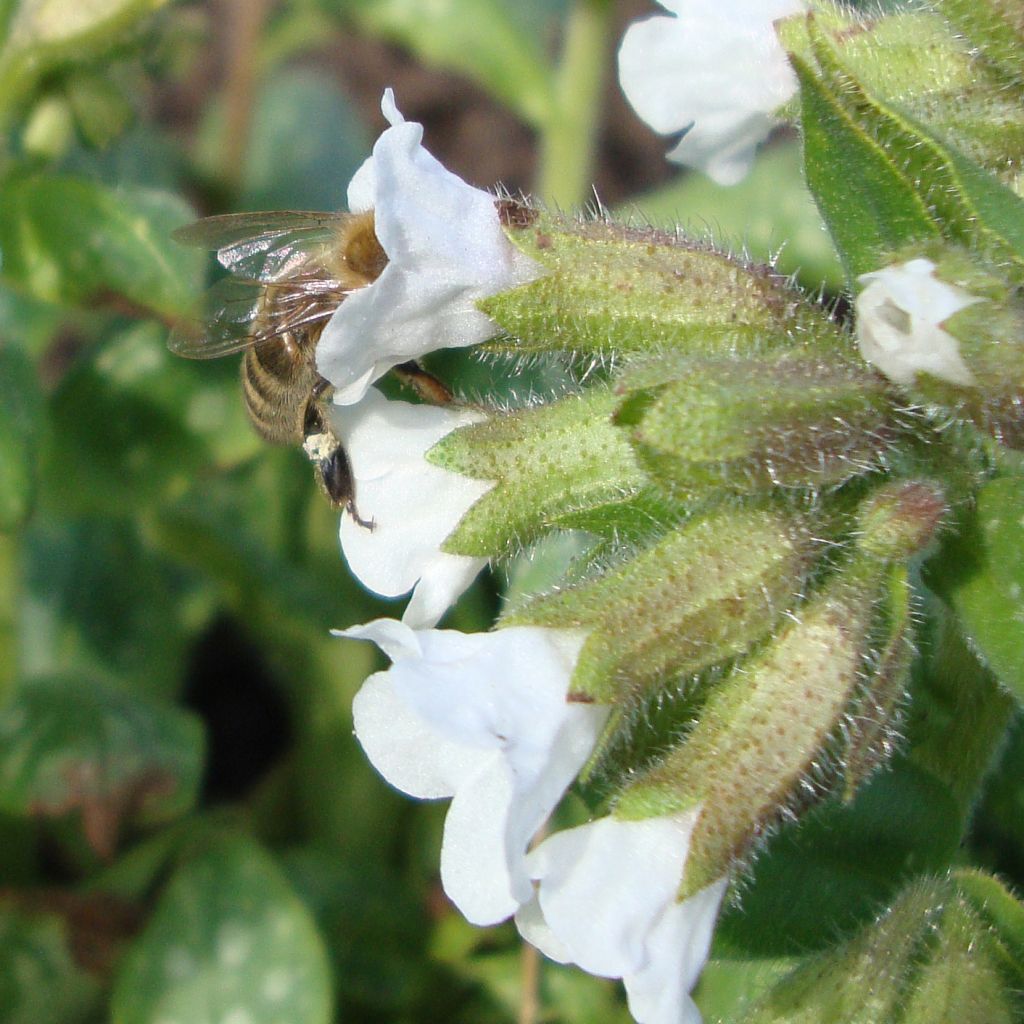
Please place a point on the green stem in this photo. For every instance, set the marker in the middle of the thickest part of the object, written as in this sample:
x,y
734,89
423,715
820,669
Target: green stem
x,y
569,136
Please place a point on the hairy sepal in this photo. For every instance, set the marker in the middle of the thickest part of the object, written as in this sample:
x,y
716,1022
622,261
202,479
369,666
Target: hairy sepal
x,y
783,419
560,465
705,592
783,725
609,289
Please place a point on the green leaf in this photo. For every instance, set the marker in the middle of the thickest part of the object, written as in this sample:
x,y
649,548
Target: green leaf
x,y
39,981
46,33
71,743
866,202
477,38
78,242
983,576
103,600
21,409
374,925
134,424
229,942
914,184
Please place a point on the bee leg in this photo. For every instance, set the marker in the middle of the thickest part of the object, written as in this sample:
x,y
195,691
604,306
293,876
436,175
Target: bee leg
x,y
426,385
336,480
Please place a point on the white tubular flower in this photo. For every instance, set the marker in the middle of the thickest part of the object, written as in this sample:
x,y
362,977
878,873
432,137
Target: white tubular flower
x,y
899,323
482,718
606,900
715,69
412,505
446,250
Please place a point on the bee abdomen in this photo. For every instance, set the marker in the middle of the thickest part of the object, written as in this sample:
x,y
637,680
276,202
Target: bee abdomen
x,y
275,402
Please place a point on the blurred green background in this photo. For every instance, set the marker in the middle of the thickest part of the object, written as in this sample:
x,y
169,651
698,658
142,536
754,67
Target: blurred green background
x,y
188,829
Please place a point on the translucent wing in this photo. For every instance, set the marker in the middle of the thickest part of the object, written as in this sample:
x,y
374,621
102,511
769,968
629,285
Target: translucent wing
x,y
241,313
265,246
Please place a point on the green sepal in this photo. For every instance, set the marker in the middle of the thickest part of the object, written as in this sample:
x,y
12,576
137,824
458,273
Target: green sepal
x,y
930,959
558,465
608,288
706,591
747,424
899,519
763,729
999,909
996,31
873,717
915,185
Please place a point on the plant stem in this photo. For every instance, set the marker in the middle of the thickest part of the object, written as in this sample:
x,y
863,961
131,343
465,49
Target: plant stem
x,y
246,19
569,136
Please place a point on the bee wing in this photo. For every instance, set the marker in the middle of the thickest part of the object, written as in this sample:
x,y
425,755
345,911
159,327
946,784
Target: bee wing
x,y
262,246
232,306
238,314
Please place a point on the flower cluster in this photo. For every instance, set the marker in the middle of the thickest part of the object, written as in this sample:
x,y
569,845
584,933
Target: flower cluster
x,y
487,719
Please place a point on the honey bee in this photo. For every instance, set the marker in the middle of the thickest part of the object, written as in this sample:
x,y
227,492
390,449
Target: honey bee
x,y
289,271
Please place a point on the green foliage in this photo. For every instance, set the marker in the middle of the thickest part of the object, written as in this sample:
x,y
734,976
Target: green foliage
x,y
39,981
20,420
78,744
78,242
985,578
228,937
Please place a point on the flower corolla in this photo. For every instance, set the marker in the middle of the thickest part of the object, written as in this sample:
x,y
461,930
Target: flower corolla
x,y
412,505
446,250
606,901
715,70
483,718
900,317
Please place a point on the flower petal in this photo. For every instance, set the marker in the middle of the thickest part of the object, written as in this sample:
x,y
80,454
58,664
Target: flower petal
x,y
606,900
412,504
603,884
446,251
508,744
716,71
899,323
678,944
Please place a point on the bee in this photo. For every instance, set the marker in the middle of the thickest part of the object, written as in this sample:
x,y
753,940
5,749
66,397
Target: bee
x,y
289,271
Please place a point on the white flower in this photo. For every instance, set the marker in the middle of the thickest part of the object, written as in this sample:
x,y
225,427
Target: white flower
x,y
606,900
714,69
412,505
899,323
482,718
446,251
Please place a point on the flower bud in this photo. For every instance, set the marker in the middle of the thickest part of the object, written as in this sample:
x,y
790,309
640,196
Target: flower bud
x,y
790,419
949,329
704,592
615,289
900,519
764,729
